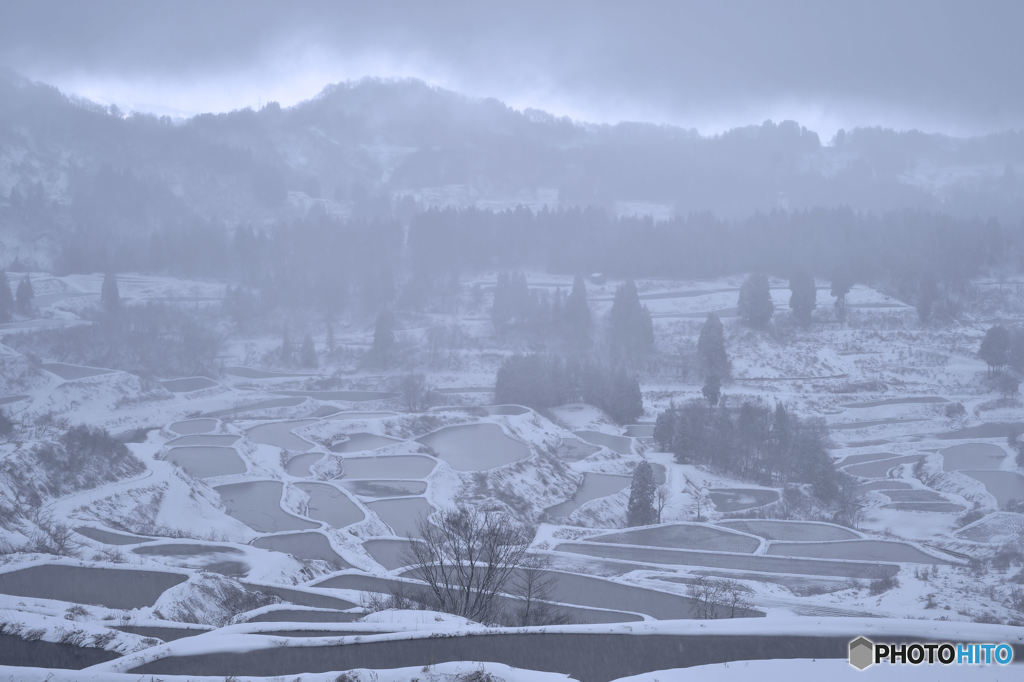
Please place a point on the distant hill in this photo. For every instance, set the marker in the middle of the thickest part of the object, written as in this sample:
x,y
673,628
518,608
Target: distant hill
x,y
68,165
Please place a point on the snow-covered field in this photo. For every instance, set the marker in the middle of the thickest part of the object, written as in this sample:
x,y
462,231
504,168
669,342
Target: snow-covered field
x,y
260,483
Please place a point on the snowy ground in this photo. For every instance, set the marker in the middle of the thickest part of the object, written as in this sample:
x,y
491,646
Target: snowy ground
x,y
882,382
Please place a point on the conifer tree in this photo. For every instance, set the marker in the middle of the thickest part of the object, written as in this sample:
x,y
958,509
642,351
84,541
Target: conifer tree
x,y
6,299
307,354
711,348
577,315
640,511
755,305
712,390
110,297
802,298
630,330
25,294
383,338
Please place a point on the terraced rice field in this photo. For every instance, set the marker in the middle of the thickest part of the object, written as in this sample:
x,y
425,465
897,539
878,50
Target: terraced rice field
x,y
402,514
395,466
191,427
330,505
684,536
110,538
620,444
115,588
385,488
310,546
360,442
855,550
739,499
743,562
880,468
188,384
257,504
791,530
207,461
280,435
475,447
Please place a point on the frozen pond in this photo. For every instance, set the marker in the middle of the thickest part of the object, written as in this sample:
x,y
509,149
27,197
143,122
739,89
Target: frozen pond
x,y
206,461
390,554
308,546
593,487
385,488
191,427
188,384
476,447
791,530
300,464
258,405
920,400
330,505
880,468
110,538
684,536
395,466
72,372
257,504
855,550
1003,485
215,440
620,444
360,442
975,456
279,435
115,588
351,396
738,499
403,514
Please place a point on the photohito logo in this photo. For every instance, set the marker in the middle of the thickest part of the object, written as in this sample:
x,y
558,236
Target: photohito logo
x,y
864,653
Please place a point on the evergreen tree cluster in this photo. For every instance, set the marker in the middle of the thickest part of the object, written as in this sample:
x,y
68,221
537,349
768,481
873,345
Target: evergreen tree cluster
x,y
542,381
539,314
752,441
630,329
640,511
755,306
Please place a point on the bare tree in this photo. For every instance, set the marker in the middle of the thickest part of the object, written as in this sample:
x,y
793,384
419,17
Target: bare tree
x,y
660,499
533,584
414,392
718,597
467,558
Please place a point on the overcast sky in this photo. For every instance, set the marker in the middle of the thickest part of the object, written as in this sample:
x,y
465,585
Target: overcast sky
x,y
935,65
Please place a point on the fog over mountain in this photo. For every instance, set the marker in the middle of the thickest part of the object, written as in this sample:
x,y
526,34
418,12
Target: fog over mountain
x,y
485,342
934,65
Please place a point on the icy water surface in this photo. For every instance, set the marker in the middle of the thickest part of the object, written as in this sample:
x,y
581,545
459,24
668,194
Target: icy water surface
x,y
476,447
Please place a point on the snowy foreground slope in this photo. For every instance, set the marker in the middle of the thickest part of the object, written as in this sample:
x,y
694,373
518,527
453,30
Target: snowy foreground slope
x,y
261,510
